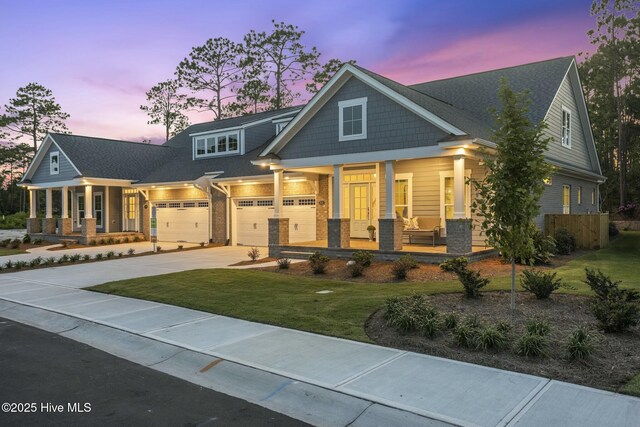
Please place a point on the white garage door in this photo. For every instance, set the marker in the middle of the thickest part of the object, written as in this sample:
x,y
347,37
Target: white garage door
x,y
183,221
252,218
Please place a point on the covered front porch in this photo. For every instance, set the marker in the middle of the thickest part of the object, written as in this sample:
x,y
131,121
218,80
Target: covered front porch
x,y
86,210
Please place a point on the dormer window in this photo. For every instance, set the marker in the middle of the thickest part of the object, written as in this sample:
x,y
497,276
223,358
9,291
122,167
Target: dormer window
x,y
54,163
217,144
566,127
352,119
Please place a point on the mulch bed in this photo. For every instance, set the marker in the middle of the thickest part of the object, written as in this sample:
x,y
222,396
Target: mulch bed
x,y
380,271
615,361
249,262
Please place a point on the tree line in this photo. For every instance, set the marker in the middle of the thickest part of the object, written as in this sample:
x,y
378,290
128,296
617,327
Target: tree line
x,y
264,71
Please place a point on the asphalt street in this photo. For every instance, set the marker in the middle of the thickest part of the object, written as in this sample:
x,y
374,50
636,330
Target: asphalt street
x,y
63,382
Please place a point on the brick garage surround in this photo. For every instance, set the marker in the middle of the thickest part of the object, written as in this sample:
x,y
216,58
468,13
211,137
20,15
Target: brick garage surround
x,y
339,233
390,234
459,236
278,235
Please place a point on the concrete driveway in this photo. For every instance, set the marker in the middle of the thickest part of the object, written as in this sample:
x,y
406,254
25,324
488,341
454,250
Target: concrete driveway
x,y
95,273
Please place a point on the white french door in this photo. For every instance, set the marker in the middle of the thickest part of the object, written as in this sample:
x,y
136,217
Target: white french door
x,y
360,209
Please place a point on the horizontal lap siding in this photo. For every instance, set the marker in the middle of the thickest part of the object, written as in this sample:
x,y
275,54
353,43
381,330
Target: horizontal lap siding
x,y
551,201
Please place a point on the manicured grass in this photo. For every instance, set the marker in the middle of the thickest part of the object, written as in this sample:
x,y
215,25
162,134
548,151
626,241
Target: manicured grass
x,y
632,387
292,301
6,251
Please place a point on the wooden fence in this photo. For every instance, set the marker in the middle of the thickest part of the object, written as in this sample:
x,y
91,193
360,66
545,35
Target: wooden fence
x,y
590,230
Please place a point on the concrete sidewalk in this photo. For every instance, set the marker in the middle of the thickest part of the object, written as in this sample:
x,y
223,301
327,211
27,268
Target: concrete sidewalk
x,y
450,392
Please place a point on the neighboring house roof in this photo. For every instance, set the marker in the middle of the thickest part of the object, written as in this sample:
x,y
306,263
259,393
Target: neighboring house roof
x,y
110,158
476,93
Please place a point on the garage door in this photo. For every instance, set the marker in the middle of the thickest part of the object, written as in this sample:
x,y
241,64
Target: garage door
x,y
183,221
252,217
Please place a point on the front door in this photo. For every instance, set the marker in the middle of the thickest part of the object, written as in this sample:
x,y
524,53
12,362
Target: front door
x,y
360,210
130,204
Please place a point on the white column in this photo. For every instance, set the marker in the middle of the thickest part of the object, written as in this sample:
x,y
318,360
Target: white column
x,y
458,188
105,204
65,202
390,188
49,203
338,172
278,191
88,201
33,197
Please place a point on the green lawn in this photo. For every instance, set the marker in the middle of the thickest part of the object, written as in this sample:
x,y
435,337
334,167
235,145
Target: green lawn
x,y
6,251
292,301
632,387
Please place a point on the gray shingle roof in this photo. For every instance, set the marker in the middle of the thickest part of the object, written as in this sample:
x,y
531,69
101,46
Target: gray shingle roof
x,y
476,93
109,158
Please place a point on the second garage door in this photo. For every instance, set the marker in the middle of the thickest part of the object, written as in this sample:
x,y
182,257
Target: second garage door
x,y
183,221
252,217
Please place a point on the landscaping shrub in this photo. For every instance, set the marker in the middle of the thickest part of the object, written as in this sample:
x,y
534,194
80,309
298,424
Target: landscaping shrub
x,y
464,336
539,283
111,254
538,327
355,268
131,251
19,265
8,265
471,280
579,345
409,261
102,242
181,247
318,262
98,257
120,254
504,326
37,241
202,244
26,239
125,240
364,258
615,309
16,220
532,345
92,243
136,239
473,321
253,253
86,257
74,258
565,242
450,321
629,211
489,338
544,247
430,325
283,263
15,244
613,229
111,241
49,261
116,241
402,265
5,243
158,248
35,261
413,313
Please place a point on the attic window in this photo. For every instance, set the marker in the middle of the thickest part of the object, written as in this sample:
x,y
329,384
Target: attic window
x,y
566,127
352,119
216,144
54,163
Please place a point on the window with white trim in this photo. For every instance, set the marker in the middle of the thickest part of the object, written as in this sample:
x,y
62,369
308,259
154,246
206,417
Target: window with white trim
x,y
54,163
580,195
216,145
447,195
566,199
593,196
404,202
566,127
352,119
98,208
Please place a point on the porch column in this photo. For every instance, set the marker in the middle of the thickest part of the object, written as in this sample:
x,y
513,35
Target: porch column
x,y
338,230
33,223
64,223
278,226
49,223
390,233
88,222
459,231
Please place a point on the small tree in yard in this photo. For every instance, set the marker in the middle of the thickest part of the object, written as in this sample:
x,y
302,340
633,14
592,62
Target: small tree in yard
x,y
507,197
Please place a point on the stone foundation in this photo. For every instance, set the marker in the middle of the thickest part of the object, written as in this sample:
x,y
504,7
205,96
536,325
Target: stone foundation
x,y
459,236
34,225
65,226
49,226
339,232
278,235
88,229
390,234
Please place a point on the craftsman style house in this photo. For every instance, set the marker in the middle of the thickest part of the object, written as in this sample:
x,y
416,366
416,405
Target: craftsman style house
x,y
366,156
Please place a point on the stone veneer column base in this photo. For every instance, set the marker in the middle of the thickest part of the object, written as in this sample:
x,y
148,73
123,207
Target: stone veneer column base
x,y
390,234
339,233
49,225
88,230
34,225
65,226
459,236
278,235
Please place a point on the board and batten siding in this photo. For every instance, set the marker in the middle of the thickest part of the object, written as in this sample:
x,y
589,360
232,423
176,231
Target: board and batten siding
x,y
389,126
426,196
43,173
551,200
578,155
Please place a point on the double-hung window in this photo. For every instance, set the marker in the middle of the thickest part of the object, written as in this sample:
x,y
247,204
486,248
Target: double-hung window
x,y
217,144
403,202
566,199
566,127
352,119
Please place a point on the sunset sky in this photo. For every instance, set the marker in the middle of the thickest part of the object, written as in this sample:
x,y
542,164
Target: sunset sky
x,y
99,57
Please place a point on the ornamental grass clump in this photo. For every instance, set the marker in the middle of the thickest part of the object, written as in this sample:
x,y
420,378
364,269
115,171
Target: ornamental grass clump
x,y
579,344
532,345
283,263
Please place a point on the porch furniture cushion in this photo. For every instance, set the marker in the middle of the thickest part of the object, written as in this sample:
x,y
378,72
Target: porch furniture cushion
x,y
427,226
